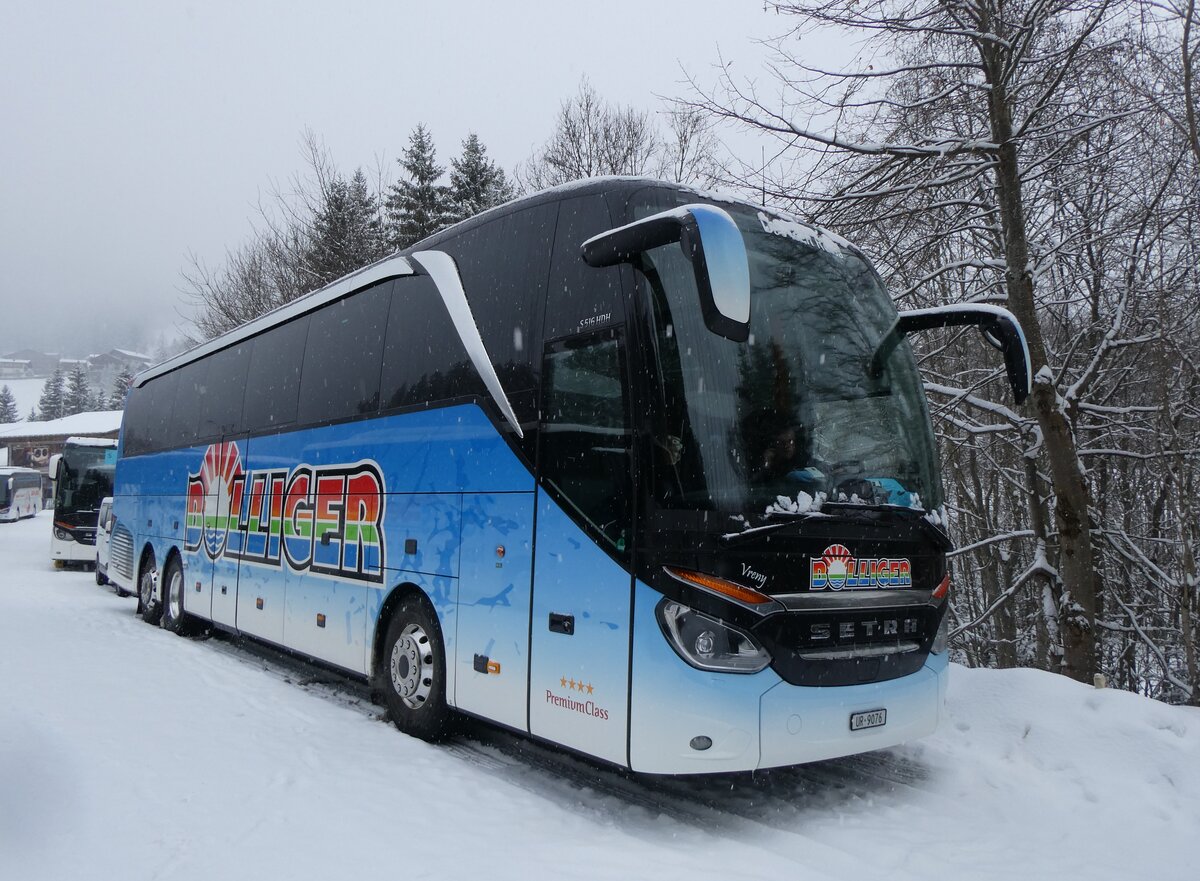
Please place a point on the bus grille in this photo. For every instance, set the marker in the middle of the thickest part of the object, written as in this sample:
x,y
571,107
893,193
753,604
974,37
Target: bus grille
x,y
120,552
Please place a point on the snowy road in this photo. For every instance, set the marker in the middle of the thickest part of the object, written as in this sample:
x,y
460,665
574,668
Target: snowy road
x,y
126,752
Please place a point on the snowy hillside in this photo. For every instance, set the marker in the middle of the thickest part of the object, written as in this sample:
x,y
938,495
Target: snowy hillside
x,y
26,392
126,752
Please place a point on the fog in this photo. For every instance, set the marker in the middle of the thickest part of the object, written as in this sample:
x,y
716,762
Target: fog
x,y
138,134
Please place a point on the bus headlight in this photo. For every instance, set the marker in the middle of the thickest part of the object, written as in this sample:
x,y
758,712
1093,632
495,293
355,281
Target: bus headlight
x,y
942,638
709,644
63,535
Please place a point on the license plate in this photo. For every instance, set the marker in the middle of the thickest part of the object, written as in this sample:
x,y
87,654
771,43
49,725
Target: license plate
x,y
869,719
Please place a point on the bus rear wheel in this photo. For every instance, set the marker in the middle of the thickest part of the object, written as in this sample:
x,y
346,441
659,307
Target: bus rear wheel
x,y
413,671
174,617
148,602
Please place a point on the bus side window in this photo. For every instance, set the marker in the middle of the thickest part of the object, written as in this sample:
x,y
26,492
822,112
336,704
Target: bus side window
x,y
135,422
580,298
156,405
424,361
190,391
585,447
340,377
273,382
221,410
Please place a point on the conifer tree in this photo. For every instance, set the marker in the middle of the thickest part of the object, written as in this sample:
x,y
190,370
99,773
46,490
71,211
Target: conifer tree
x,y
78,395
8,406
476,182
419,206
120,390
50,404
347,232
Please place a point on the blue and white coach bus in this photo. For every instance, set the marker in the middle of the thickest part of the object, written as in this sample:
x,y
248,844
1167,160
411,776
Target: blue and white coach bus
x,y
636,471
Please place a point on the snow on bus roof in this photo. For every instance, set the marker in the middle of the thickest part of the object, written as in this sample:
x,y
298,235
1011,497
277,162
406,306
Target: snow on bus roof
x,y
92,441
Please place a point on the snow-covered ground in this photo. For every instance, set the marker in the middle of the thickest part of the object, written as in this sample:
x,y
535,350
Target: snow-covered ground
x,y
126,752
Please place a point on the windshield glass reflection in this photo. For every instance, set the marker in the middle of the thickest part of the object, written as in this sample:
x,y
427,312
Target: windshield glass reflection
x,y
795,414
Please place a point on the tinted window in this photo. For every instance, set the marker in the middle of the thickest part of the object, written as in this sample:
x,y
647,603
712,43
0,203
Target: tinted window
x,y
190,391
585,454
221,407
343,355
150,418
273,381
580,298
424,360
504,266
134,422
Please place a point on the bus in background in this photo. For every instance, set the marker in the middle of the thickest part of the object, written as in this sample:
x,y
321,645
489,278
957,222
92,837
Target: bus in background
x,y
83,475
20,493
625,467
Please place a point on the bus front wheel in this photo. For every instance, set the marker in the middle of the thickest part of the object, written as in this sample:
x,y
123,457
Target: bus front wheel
x,y
413,671
148,602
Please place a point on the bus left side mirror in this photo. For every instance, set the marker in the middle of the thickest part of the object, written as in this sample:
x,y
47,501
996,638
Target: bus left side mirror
x,y
710,240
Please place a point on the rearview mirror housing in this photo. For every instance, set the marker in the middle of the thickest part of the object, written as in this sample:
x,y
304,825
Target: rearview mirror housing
x,y
999,327
712,242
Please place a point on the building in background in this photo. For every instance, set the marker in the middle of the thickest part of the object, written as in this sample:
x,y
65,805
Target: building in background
x,y
31,444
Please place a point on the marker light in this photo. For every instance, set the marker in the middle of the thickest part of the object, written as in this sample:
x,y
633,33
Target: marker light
x,y
720,585
942,589
709,644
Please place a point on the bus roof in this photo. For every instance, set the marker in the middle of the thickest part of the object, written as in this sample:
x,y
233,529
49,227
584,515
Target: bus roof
x,y
398,264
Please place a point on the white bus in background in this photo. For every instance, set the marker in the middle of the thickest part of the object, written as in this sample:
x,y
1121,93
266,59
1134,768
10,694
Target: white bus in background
x,y
20,493
83,477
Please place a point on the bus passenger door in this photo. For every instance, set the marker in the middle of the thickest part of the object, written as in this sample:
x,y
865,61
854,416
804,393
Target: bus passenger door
x,y
582,595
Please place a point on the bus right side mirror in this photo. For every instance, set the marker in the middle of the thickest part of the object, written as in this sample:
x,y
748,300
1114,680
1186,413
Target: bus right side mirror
x,y
999,327
52,466
710,240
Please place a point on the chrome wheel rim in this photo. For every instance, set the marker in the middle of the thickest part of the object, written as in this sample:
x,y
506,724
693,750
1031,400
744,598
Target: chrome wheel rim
x,y
146,587
175,594
411,666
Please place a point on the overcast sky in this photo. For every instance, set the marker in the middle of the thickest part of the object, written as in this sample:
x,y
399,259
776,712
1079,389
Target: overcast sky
x,y
137,133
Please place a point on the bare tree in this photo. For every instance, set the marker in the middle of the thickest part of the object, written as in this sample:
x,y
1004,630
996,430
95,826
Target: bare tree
x,y
960,105
315,228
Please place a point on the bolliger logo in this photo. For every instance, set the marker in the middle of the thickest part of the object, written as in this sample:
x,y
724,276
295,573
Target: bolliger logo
x,y
325,519
836,569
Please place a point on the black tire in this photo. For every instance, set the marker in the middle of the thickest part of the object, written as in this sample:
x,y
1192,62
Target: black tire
x,y
100,579
174,616
149,603
412,671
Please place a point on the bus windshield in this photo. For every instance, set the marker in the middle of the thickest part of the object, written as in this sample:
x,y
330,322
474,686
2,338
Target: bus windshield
x,y
83,480
795,415
5,494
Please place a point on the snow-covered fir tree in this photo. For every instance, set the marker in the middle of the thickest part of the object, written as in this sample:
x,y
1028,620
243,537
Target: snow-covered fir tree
x,y
77,398
8,406
120,390
419,206
50,404
476,182
347,231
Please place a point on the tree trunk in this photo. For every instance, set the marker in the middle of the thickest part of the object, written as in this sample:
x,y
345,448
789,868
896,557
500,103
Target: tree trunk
x,y
1077,609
